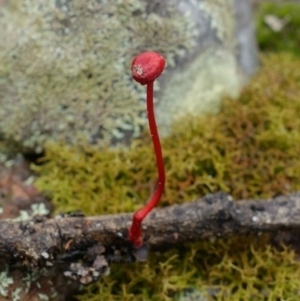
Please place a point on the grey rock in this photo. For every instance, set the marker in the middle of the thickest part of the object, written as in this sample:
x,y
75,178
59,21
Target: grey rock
x,y
224,58
65,65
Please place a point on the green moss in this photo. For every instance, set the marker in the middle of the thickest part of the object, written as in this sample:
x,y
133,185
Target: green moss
x,y
225,268
287,39
250,149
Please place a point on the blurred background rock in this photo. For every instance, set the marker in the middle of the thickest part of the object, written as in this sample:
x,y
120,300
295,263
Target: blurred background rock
x,y
65,66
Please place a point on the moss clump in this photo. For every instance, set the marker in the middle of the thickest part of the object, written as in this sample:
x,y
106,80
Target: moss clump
x,y
288,39
65,67
250,149
225,268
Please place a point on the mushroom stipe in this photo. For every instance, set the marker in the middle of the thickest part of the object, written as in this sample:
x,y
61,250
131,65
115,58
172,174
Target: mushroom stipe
x,y
146,67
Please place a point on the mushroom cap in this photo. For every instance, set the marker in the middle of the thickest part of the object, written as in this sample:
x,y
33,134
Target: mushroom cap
x,y
147,66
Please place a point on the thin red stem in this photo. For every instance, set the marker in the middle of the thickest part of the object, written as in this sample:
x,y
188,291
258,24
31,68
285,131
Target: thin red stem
x,y
135,232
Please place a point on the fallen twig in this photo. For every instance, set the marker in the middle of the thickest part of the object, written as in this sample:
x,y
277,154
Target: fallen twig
x,y
41,240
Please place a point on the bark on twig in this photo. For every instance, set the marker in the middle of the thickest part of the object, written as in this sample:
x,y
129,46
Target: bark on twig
x,y
41,240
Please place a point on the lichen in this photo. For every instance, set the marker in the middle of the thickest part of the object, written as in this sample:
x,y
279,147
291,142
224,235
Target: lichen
x,y
16,294
25,215
249,149
43,297
17,284
5,282
64,67
222,19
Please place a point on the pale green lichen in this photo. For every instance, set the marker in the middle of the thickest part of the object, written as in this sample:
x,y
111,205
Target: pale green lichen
x,y
16,294
38,208
5,282
222,19
190,294
31,277
65,67
19,285
43,297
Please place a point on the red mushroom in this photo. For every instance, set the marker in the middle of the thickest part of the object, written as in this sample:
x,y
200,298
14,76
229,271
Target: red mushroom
x,y
145,68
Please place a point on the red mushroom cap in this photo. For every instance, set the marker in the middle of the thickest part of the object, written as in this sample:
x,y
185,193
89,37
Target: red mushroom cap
x,y
147,66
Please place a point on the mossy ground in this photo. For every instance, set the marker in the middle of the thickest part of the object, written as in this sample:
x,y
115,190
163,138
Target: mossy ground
x,y
231,270
250,149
